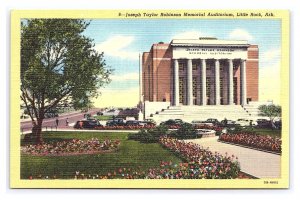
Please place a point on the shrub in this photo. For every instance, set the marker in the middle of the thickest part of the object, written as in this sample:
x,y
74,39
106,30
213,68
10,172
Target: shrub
x,y
150,135
185,131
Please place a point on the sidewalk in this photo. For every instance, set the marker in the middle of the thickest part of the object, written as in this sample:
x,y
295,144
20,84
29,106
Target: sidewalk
x,y
256,163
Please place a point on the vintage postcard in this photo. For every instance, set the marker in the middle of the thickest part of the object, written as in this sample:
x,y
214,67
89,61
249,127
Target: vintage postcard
x,y
149,99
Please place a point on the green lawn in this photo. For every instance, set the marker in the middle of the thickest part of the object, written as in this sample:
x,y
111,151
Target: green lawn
x,y
262,131
131,154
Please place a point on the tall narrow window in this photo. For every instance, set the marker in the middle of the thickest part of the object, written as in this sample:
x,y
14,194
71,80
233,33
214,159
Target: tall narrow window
x,y
235,90
221,68
221,90
195,90
208,86
208,90
195,67
221,86
181,90
181,66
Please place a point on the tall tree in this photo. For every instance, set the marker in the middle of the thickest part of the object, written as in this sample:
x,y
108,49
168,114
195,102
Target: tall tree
x,y
272,111
58,65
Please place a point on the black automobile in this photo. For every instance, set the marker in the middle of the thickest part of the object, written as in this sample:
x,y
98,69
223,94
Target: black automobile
x,y
150,122
229,123
172,122
88,124
215,122
264,123
133,123
111,123
116,122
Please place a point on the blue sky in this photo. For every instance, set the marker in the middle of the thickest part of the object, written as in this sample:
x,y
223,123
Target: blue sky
x,y
123,40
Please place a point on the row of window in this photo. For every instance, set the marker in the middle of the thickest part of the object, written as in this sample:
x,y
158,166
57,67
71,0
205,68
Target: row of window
x,y
208,87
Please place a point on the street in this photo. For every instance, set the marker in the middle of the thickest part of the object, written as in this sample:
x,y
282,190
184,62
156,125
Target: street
x,y
73,117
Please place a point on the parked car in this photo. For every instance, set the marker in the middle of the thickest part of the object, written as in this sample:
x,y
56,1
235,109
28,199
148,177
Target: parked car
x,y
215,122
172,122
112,123
87,124
243,122
263,123
246,122
133,123
229,123
116,122
150,121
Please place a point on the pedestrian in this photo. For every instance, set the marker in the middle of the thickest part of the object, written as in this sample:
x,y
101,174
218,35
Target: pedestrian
x,y
57,121
67,122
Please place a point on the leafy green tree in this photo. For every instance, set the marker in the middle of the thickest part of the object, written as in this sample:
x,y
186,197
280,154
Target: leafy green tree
x,y
271,111
58,65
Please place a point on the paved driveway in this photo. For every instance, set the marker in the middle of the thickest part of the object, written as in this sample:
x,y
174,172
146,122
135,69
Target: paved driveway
x,y
257,163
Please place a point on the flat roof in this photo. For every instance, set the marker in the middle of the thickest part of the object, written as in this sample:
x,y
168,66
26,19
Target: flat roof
x,y
208,42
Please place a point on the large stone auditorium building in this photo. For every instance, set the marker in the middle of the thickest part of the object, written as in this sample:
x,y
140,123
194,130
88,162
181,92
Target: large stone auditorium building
x,y
200,72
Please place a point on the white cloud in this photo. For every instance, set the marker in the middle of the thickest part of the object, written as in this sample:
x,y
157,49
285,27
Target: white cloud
x,y
188,35
116,46
117,97
272,54
240,34
125,77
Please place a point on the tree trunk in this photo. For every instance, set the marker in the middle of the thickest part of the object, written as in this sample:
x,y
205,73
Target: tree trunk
x,y
37,132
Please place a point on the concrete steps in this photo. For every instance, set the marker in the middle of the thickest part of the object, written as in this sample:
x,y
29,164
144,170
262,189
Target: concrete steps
x,y
190,113
252,108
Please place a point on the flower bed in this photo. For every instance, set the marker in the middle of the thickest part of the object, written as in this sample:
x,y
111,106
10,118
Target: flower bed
x,y
253,140
204,163
200,164
71,147
215,128
167,170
